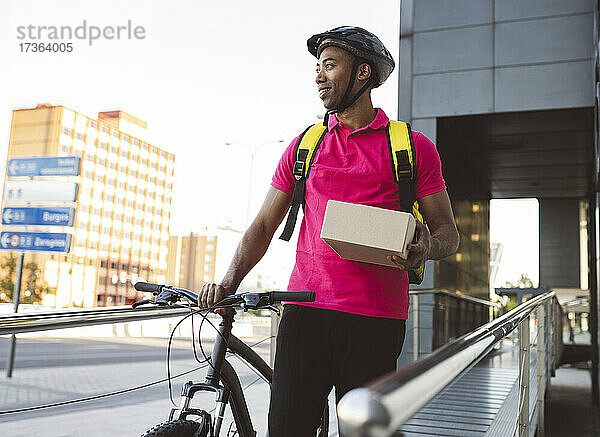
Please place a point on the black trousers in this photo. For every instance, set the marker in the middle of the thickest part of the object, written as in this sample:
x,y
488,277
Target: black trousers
x,y
319,349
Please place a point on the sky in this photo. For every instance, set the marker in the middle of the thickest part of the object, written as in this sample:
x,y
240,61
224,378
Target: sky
x,y
207,74
515,223
225,86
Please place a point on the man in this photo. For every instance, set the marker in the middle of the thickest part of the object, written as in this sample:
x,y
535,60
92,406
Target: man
x,y
354,331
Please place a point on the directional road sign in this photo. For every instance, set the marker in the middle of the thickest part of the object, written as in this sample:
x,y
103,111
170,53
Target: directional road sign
x,y
46,216
44,166
35,241
40,191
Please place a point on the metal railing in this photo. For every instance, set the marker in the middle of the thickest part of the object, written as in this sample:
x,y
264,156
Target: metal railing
x,y
381,408
18,323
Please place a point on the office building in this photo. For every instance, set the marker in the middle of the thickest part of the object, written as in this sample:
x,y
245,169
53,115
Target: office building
x,y
192,260
121,228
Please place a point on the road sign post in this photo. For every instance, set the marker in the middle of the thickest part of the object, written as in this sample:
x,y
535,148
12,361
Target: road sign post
x,y
37,191
16,301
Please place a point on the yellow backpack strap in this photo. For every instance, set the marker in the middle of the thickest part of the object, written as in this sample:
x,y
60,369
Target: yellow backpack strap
x,y
306,148
403,159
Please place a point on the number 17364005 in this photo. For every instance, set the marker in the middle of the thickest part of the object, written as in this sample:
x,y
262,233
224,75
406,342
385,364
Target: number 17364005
x,y
35,47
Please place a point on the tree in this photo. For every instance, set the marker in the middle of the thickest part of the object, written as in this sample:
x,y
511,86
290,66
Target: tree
x,y
8,266
523,282
32,286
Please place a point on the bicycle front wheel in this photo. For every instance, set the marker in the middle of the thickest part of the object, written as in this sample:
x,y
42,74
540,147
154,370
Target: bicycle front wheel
x,y
178,428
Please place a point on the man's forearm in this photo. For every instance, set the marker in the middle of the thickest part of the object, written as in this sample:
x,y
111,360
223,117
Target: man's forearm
x,y
444,242
249,252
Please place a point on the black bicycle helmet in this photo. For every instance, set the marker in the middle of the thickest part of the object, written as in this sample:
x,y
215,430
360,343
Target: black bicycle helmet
x,y
359,42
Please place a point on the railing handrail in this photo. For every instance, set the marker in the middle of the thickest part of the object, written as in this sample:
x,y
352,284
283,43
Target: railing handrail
x,y
457,296
369,404
17,323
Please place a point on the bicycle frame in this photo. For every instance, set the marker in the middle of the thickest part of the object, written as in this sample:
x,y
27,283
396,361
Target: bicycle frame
x,y
230,391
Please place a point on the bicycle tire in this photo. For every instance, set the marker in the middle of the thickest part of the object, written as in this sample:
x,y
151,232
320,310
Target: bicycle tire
x,y
176,428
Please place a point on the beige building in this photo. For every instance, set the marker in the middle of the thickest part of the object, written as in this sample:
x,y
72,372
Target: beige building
x,y
192,260
121,229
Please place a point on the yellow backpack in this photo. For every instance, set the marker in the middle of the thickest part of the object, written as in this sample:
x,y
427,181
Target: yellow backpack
x,y
402,158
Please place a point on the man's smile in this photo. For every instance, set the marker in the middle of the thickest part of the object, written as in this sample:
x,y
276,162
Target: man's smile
x,y
323,89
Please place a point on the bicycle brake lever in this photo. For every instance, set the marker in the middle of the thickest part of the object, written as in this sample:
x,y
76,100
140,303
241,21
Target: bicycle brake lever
x,y
274,308
141,302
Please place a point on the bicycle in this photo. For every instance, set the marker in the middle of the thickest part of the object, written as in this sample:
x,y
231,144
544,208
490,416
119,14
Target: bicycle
x,y
221,378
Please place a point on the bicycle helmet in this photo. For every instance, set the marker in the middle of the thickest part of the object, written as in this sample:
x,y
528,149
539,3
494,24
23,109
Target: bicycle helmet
x,y
360,43
364,46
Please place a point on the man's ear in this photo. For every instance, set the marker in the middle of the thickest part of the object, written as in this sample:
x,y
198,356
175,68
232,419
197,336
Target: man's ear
x,y
364,71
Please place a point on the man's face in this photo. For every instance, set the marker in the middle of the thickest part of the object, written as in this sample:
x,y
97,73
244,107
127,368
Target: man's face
x,y
333,73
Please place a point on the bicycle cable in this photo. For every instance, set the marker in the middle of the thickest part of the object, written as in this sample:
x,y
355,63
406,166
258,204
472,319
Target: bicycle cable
x,y
104,395
169,377
118,392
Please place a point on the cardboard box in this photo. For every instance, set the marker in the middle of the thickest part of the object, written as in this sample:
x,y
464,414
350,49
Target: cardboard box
x,y
366,233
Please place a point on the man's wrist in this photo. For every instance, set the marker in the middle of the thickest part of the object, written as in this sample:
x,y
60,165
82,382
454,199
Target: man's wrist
x,y
229,284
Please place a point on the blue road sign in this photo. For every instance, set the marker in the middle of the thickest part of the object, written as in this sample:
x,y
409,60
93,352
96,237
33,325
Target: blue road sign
x,y
44,166
35,241
44,216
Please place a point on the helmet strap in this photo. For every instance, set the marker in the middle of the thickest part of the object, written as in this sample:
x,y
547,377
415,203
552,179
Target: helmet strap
x,y
346,102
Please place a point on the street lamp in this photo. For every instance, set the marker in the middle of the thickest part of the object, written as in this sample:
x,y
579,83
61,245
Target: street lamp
x,y
252,148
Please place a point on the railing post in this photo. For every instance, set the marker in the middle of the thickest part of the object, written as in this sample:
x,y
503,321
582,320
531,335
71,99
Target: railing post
x,y
415,327
524,377
541,368
548,309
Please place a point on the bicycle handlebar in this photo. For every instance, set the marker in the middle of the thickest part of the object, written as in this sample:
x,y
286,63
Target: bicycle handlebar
x,y
293,296
148,287
251,300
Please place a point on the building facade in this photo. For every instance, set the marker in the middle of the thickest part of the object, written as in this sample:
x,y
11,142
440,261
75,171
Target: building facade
x,y
121,228
509,92
192,260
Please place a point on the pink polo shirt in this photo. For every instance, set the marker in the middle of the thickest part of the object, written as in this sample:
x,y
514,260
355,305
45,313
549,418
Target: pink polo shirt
x,y
353,167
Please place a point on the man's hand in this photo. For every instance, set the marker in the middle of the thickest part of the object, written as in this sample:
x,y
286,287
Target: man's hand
x,y
418,252
213,293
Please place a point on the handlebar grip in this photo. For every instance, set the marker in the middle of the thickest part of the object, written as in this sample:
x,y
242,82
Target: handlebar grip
x,y
294,296
148,287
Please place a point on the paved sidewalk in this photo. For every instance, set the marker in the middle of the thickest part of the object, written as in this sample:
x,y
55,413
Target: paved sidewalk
x,y
128,414
123,415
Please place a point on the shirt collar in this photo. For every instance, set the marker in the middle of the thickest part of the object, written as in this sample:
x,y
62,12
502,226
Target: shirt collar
x,y
380,121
